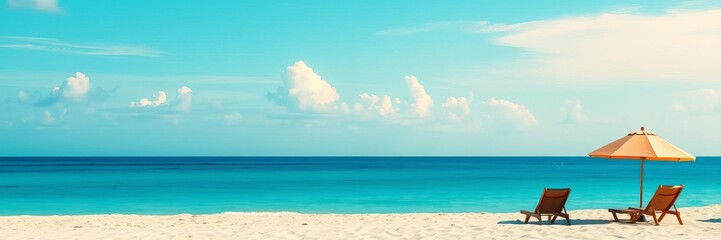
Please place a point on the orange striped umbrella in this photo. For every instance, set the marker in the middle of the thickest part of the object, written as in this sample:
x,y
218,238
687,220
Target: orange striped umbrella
x,y
642,145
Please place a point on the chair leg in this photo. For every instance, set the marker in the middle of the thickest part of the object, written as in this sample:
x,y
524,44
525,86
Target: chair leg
x,y
663,214
635,217
654,218
553,220
678,216
527,217
615,218
540,220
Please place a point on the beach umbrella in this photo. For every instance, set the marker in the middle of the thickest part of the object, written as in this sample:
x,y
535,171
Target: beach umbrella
x,y
642,145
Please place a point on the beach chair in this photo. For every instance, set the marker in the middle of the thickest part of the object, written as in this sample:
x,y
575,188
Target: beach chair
x,y
552,204
662,201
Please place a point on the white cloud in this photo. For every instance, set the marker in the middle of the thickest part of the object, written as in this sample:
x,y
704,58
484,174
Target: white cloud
x,y
159,99
458,109
374,105
47,118
421,102
515,113
305,91
182,102
618,46
701,101
183,99
572,112
233,118
23,97
39,5
55,45
73,89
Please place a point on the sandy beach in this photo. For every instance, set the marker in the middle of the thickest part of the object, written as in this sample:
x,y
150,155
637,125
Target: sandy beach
x,y
699,223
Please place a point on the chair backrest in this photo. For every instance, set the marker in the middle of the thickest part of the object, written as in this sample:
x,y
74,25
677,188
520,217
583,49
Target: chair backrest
x,y
553,200
665,197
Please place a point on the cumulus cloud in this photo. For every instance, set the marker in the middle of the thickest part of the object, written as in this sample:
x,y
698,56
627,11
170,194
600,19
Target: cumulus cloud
x,y
39,5
618,46
458,109
183,99
701,101
182,102
47,118
421,102
305,91
572,112
159,99
375,105
515,113
73,89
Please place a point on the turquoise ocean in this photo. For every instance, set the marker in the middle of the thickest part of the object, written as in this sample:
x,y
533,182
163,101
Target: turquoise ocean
x,y
204,185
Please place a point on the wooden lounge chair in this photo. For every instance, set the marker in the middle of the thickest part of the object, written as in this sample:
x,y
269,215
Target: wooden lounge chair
x,y
552,204
662,201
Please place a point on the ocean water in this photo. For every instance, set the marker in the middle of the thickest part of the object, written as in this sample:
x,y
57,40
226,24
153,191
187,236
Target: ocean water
x,y
202,185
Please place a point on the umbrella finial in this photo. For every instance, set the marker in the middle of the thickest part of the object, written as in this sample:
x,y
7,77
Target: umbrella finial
x,y
643,129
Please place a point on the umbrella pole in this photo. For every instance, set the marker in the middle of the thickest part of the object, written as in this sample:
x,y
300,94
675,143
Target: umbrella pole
x,y
640,201
641,218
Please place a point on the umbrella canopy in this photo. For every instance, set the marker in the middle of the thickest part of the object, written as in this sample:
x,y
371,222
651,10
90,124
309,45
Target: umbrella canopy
x,y
642,145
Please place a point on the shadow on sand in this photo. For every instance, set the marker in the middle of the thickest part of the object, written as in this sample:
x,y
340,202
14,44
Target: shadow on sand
x,y
560,222
712,220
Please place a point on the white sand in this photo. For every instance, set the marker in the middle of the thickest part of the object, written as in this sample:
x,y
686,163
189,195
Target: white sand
x,y
700,223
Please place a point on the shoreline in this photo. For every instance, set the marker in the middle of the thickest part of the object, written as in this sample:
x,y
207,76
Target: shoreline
x,y
699,223
303,213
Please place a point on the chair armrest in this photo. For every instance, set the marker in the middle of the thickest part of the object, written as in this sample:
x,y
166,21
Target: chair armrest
x,y
624,210
527,212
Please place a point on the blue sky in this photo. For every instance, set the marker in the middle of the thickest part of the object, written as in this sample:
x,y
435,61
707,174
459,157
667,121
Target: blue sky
x,y
94,78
